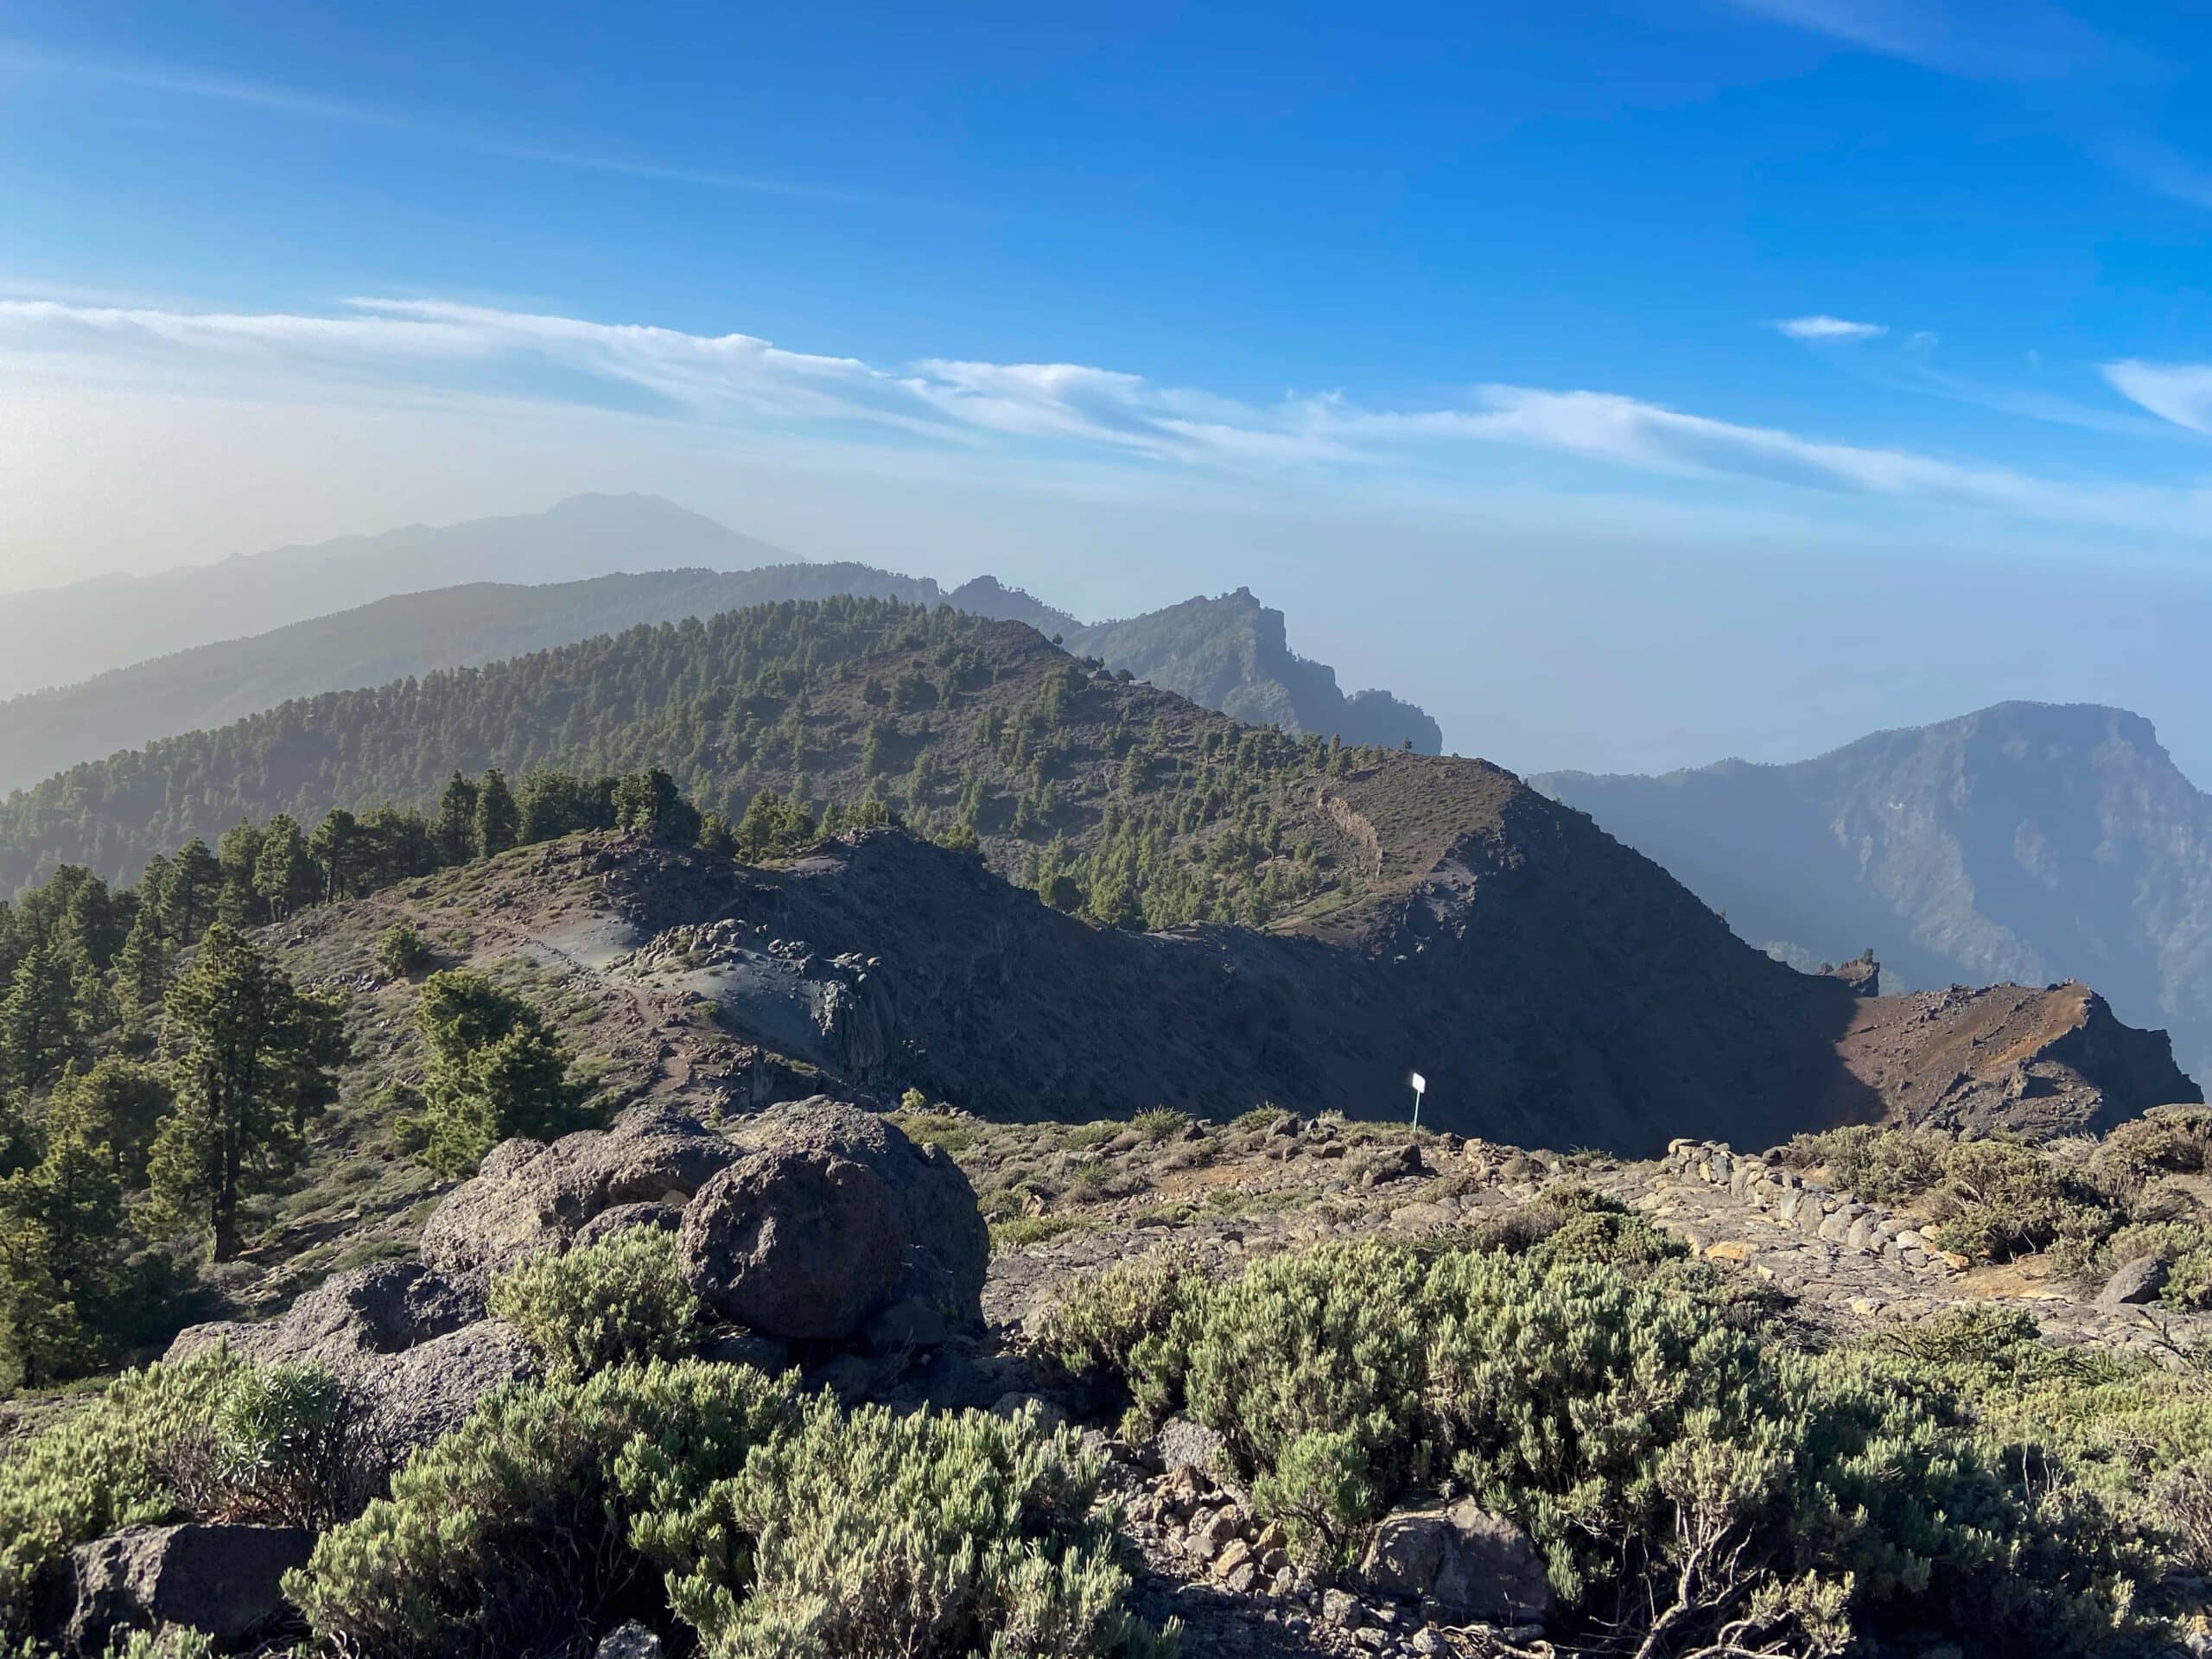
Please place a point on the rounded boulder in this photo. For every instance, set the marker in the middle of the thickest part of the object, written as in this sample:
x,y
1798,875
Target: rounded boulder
x,y
828,1216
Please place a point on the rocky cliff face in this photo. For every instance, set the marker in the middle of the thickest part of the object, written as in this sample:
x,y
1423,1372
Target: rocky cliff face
x,y
2029,841
1230,653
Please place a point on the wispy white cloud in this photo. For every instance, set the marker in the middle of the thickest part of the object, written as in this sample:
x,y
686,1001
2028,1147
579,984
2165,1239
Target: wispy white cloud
x,y
2002,40
1827,327
25,60
411,346
2180,392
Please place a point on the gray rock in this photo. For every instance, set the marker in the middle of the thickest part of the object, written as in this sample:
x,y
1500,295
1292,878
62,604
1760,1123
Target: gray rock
x,y
381,1309
2135,1283
426,1392
1182,1443
631,1641
1476,1565
828,1216
224,1580
528,1196
662,1217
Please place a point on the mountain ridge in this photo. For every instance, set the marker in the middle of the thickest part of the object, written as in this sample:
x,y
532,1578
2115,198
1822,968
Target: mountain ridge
x,y
1230,653
2026,841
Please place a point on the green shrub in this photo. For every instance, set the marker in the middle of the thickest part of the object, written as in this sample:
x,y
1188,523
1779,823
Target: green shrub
x,y
1088,1334
1684,1475
211,1437
1877,1165
936,1536
515,1531
2172,1143
621,1300
401,951
1161,1123
1999,1200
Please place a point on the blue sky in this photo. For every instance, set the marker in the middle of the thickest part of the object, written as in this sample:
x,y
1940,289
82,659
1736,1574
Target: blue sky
x,y
1655,349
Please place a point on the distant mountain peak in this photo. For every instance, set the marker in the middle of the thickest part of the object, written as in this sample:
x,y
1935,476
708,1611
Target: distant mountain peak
x,y
2025,840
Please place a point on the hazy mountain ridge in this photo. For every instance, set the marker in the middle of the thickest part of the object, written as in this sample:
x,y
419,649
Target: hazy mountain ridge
x,y
1228,653
57,636
2030,841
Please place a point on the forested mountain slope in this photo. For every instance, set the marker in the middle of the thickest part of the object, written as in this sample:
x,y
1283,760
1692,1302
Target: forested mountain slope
x,y
2030,841
58,636
1227,653
1419,912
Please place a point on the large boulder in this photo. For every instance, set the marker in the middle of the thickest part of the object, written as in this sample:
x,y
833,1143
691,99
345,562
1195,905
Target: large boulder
x,y
528,1196
224,1580
830,1216
1473,1565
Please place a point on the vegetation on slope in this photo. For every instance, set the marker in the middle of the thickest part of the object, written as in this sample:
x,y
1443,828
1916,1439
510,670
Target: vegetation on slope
x,y
1112,797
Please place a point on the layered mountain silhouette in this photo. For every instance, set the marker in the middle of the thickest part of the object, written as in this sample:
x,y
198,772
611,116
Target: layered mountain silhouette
x,y
2028,842
56,636
1228,653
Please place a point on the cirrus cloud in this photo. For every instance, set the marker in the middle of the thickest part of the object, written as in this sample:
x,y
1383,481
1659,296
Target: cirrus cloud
x,y
409,346
1827,327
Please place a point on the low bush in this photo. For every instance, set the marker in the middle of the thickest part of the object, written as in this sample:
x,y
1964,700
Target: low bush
x,y
934,1535
514,1531
211,1439
401,951
1688,1478
1999,1200
1878,1165
621,1300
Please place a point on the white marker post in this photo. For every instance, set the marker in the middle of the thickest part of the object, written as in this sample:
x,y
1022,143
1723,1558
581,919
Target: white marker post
x,y
1420,1087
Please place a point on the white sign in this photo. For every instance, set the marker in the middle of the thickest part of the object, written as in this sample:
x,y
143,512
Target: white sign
x,y
1420,1083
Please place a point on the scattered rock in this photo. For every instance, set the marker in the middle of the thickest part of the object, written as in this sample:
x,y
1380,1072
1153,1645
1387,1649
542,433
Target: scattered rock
x,y
2137,1282
631,1641
1184,1444
1472,1564
828,1215
224,1580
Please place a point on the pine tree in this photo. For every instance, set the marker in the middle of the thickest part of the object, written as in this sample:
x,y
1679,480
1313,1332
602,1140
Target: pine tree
x,y
498,820
38,1023
496,1071
194,889
142,973
284,873
250,1060
336,849
456,827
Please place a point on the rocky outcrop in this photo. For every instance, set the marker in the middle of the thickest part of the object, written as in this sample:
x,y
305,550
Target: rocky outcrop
x,y
830,1217
380,1309
412,1346
1470,1564
2011,1057
225,1581
528,1196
